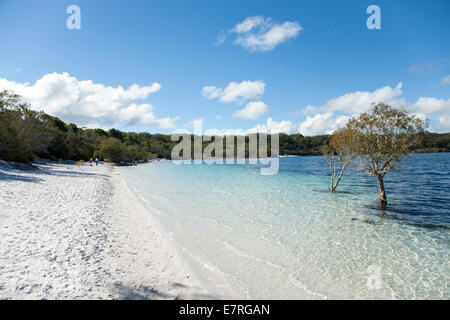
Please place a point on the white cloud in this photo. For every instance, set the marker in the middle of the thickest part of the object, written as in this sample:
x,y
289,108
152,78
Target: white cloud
x,y
250,23
336,112
236,92
325,119
445,81
359,101
266,41
142,115
252,111
225,132
443,124
262,34
211,92
270,127
90,104
430,106
322,124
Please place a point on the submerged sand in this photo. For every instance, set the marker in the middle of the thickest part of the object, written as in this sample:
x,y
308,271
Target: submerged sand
x,y
69,232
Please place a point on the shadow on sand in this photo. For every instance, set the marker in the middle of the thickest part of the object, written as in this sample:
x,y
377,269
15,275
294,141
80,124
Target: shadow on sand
x,y
14,174
69,172
14,177
143,292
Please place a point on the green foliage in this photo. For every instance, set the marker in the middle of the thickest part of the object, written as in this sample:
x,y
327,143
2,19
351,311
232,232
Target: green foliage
x,y
111,149
382,136
297,144
114,133
432,142
24,133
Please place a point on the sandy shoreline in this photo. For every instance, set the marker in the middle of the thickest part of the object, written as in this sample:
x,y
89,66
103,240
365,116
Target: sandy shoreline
x,y
70,232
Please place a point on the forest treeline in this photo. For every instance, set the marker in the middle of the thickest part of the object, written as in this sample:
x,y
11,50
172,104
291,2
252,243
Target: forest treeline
x,y
26,134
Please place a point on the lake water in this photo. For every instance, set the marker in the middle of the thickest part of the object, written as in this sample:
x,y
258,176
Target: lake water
x,y
286,237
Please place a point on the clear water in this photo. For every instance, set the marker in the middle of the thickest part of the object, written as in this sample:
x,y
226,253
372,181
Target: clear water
x,y
286,237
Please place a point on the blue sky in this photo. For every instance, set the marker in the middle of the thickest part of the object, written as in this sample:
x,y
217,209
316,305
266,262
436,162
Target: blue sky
x,y
327,53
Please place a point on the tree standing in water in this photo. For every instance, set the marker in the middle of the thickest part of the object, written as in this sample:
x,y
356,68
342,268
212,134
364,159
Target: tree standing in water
x,y
339,153
381,138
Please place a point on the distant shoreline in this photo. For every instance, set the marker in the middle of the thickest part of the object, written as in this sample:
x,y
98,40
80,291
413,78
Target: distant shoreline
x,y
32,165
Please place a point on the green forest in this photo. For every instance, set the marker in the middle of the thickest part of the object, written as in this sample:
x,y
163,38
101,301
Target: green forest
x,y
26,135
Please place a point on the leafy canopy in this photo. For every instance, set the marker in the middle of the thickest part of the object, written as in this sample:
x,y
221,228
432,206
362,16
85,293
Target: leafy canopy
x,y
382,136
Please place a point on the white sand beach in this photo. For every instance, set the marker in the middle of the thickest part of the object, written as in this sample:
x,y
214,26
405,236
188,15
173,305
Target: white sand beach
x,y
69,232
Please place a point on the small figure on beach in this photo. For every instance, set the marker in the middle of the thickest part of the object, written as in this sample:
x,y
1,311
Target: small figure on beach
x,y
96,162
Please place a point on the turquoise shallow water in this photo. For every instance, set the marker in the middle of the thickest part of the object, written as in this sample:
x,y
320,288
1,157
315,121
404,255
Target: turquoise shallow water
x,y
286,237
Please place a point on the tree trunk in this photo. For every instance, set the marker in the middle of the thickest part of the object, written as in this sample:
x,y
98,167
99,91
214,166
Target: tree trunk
x,y
383,200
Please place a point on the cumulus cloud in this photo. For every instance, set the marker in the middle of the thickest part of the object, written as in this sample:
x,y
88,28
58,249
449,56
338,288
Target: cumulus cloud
x,y
322,124
270,127
336,112
211,92
325,118
262,34
235,92
225,132
250,23
359,101
430,106
443,123
90,104
252,111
